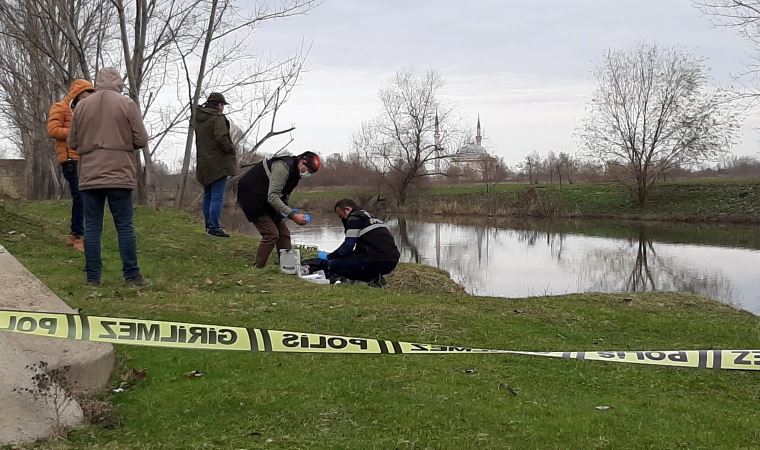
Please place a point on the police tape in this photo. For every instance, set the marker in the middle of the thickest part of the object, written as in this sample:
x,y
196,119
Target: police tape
x,y
155,333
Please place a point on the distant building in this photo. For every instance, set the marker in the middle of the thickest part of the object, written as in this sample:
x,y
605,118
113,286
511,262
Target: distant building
x,y
471,160
472,152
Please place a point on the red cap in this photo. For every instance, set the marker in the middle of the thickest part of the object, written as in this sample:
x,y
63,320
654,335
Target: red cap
x,y
311,160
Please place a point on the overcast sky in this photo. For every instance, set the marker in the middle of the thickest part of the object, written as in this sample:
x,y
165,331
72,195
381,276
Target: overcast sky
x,y
525,67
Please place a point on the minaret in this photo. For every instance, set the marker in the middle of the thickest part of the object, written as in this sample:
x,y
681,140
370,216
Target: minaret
x,y
478,137
437,139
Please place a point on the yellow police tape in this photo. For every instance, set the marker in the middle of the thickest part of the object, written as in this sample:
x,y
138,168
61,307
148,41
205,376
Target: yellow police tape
x,y
156,333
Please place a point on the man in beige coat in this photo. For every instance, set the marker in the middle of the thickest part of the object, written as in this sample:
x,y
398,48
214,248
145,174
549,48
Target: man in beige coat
x,y
106,131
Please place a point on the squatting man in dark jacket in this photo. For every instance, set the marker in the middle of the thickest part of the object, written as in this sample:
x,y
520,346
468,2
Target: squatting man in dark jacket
x,y
263,194
216,159
367,253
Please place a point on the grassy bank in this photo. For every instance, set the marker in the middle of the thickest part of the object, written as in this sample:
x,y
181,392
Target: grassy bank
x,y
693,201
459,401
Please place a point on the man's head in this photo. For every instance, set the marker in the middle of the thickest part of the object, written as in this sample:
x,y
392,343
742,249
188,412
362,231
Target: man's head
x,y
79,90
308,163
216,100
109,79
344,207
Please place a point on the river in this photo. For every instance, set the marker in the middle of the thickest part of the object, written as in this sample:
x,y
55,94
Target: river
x,y
508,258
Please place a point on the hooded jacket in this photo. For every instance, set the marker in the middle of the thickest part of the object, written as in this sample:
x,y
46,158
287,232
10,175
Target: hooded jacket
x,y
59,121
106,130
214,150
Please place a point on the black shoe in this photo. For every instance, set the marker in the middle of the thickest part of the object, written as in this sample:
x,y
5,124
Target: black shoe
x,y
379,282
138,282
219,232
92,284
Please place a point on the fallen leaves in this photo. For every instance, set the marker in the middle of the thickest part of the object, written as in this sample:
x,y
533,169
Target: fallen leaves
x,y
508,388
134,375
129,378
194,374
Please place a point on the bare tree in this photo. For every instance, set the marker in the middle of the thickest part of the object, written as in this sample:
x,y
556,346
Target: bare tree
x,y
224,42
147,31
744,16
44,45
492,169
652,111
71,34
531,165
400,143
551,166
565,161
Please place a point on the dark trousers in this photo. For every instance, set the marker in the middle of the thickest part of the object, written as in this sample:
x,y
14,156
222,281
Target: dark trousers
x,y
120,204
69,169
353,267
213,203
273,234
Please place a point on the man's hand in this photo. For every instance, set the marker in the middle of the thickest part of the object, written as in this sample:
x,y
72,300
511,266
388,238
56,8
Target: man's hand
x,y
300,219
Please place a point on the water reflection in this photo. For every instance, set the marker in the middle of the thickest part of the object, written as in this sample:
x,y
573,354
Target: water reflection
x,y
638,267
510,259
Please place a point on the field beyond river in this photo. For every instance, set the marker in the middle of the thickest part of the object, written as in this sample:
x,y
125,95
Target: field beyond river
x,y
457,401
718,200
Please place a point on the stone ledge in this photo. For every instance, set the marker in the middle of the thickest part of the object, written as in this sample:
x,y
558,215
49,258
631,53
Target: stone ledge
x,y
24,417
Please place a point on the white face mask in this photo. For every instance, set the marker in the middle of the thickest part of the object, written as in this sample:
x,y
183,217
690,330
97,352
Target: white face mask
x,y
306,174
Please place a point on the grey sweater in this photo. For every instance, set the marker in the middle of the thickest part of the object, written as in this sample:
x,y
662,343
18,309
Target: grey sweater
x,y
277,179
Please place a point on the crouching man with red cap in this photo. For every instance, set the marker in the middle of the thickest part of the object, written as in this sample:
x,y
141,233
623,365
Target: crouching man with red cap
x,y
263,194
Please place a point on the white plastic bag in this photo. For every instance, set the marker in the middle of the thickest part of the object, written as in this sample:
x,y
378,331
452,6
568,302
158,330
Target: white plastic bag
x,y
317,278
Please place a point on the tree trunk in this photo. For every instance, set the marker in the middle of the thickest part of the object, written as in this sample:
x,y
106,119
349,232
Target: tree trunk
x,y
150,178
191,127
643,195
140,191
185,162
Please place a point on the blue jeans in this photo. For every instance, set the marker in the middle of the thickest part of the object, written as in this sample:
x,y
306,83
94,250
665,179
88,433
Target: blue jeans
x,y
120,204
69,169
213,203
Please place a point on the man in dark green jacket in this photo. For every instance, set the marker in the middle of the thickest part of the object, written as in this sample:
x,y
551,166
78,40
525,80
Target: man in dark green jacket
x,y
216,159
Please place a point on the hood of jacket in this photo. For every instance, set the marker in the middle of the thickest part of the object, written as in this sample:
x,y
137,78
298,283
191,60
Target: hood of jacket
x,y
109,79
203,114
77,87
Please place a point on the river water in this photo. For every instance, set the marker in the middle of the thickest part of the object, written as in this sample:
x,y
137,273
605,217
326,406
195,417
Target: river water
x,y
521,259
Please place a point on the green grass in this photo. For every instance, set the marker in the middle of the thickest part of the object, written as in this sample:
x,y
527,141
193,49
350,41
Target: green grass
x,y
328,401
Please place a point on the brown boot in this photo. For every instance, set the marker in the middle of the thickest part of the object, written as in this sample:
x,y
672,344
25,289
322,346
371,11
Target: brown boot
x,y
78,243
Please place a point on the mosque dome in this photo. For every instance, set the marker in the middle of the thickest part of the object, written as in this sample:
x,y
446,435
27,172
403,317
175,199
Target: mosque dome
x,y
472,151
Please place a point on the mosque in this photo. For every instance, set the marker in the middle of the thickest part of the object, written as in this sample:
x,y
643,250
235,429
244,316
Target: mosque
x,y
469,157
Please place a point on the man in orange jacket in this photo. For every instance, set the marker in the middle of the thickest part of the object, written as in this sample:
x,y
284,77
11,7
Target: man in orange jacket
x,y
59,122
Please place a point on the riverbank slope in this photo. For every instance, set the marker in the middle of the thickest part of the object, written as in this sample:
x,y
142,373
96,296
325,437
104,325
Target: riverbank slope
x,y
736,201
330,401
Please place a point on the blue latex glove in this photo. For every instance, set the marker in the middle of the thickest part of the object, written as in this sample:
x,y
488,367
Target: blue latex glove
x,y
322,255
